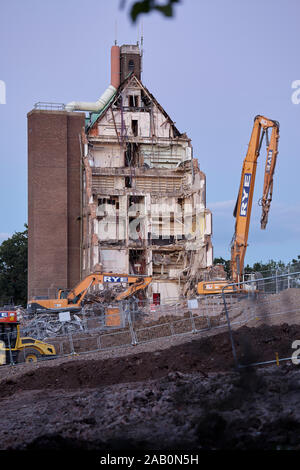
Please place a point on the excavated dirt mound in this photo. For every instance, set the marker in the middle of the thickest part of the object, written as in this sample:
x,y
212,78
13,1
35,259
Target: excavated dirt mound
x,y
185,397
207,354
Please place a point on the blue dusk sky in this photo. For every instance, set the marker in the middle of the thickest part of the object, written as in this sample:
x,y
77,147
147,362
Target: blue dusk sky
x,y
213,67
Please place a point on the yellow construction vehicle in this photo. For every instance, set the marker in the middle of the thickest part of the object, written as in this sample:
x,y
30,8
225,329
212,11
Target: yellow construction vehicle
x,y
242,211
14,348
72,300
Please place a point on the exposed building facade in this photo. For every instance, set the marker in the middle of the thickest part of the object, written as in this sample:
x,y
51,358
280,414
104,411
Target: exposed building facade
x,y
135,202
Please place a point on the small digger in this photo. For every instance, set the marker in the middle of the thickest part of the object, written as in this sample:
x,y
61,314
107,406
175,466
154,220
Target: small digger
x,y
14,348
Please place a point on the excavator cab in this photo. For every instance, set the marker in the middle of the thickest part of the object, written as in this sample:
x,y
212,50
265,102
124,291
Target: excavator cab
x,y
63,293
8,339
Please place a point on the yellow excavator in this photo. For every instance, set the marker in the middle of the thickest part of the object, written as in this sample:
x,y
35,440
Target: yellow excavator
x,y
242,211
72,300
14,348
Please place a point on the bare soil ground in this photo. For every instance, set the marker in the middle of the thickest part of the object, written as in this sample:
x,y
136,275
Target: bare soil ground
x,y
178,393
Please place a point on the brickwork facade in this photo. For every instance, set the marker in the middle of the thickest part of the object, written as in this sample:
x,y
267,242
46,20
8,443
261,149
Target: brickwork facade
x,y
53,200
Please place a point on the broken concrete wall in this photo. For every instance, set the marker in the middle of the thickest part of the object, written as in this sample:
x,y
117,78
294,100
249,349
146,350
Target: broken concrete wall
x,y
115,261
108,156
145,200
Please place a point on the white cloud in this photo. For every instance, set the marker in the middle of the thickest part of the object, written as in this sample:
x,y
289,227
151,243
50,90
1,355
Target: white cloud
x,y
221,205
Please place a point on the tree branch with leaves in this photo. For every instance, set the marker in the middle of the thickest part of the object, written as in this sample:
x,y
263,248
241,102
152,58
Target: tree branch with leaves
x,y
146,6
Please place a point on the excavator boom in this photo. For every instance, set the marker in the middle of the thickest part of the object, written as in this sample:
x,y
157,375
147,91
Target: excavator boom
x,y
272,151
246,190
136,283
242,211
73,299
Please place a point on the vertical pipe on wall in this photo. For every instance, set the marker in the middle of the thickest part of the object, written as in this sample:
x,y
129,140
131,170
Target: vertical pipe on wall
x,y
115,66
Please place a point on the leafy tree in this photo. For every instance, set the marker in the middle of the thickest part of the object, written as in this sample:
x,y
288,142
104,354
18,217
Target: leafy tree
x,y
146,6
294,261
267,269
13,268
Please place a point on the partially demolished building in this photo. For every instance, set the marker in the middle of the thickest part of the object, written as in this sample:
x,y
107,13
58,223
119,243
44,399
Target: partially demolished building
x,y
136,202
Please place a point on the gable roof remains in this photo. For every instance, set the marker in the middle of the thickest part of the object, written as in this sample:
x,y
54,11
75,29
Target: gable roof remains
x,y
94,117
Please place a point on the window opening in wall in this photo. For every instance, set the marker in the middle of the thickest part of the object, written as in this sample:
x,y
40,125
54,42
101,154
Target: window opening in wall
x,y
134,127
133,101
132,154
131,65
128,182
180,201
136,212
128,155
140,200
137,261
135,234
145,99
114,201
180,218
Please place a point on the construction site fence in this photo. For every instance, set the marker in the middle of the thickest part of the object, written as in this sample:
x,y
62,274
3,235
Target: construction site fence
x,y
266,301
277,275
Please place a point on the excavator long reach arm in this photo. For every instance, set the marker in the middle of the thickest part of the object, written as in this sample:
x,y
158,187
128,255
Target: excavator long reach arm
x,y
242,211
135,283
246,190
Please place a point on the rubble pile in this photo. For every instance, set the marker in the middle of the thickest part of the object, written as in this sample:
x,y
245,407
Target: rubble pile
x,y
49,325
106,295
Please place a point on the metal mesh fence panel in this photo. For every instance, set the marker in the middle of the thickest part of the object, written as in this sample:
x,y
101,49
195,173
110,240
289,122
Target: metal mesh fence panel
x,y
114,340
153,332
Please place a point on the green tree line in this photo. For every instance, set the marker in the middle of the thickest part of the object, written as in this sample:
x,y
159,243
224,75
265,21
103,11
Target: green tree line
x,y
13,269
266,269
